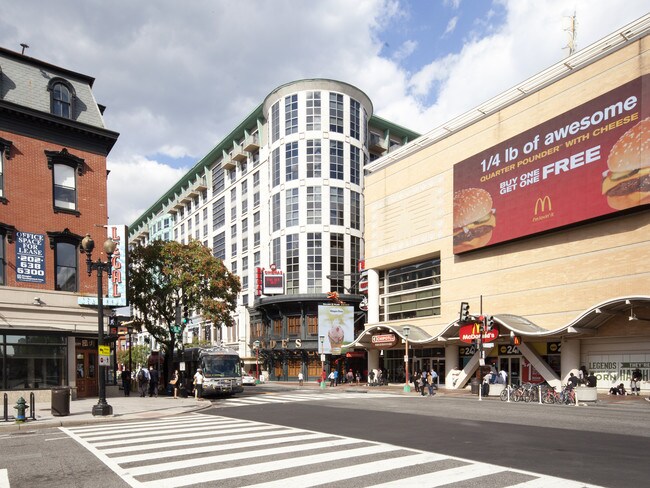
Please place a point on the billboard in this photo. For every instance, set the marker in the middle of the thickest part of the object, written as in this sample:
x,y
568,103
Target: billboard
x,y
30,257
588,162
336,326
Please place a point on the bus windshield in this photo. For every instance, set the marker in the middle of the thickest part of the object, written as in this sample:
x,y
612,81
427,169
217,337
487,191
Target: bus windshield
x,y
221,366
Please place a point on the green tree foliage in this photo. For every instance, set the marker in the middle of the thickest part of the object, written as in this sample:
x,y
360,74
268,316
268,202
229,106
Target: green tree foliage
x,y
139,355
164,276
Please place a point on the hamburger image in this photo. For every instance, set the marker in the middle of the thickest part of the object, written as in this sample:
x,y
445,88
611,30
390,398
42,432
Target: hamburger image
x,y
627,182
474,219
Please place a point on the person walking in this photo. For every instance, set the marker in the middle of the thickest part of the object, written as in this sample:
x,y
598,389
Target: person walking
x,y
126,381
143,381
198,384
301,379
635,382
432,382
424,381
174,382
331,378
153,382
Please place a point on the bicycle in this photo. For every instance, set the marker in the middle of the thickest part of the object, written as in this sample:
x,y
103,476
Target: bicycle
x,y
507,392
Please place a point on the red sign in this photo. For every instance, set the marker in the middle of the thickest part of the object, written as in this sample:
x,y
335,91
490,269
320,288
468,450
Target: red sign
x,y
472,333
383,340
588,162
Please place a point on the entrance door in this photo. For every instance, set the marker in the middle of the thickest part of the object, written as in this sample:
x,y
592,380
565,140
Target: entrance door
x,y
512,366
86,373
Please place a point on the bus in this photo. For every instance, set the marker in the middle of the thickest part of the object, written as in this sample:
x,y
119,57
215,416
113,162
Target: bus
x,y
222,369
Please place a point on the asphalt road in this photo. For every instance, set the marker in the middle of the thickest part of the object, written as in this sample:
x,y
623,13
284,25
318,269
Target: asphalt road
x,y
606,446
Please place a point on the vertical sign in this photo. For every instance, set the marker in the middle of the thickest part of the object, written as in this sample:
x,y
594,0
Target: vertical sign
x,y
30,257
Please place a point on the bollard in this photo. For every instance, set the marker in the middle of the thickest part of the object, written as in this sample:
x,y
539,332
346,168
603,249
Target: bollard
x,y
508,390
539,390
32,406
6,405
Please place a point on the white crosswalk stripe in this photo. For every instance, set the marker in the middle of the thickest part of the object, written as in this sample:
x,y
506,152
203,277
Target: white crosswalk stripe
x,y
307,397
204,449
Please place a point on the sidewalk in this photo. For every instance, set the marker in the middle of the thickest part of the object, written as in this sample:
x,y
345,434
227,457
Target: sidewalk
x,y
137,408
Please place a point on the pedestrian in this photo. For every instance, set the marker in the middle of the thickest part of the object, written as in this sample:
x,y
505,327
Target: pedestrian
x,y
357,376
174,383
635,382
432,379
494,375
336,377
143,381
423,382
503,376
301,378
617,390
198,384
416,381
572,381
486,384
153,382
126,381
323,377
592,381
331,378
350,377
582,375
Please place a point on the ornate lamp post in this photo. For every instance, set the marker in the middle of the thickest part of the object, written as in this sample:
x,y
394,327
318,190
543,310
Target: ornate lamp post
x,y
87,246
406,330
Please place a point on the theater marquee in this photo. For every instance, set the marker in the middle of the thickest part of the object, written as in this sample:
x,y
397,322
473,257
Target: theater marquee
x,y
588,162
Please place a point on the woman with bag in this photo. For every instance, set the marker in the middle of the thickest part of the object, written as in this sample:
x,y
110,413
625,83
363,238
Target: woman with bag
x,y
174,383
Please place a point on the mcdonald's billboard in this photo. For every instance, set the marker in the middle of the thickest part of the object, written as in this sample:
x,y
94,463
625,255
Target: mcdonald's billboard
x,y
472,333
590,161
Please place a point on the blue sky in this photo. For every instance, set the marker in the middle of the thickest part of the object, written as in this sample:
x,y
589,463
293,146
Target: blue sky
x,y
176,77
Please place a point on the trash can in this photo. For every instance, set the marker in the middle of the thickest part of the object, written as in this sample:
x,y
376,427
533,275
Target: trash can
x,y
61,401
474,385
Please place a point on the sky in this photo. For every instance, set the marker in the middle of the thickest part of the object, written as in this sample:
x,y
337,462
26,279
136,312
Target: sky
x,y
178,76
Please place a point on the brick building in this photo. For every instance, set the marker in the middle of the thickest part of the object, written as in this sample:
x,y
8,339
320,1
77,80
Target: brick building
x,y
53,149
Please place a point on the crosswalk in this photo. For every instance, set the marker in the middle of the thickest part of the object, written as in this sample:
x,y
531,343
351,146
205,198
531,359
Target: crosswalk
x,y
294,397
207,450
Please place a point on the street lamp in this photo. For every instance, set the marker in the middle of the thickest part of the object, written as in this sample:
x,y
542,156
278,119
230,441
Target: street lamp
x,y
87,246
322,360
256,345
407,329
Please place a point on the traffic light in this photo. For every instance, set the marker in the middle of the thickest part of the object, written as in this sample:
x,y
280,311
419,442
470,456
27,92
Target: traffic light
x,y
489,323
186,314
464,312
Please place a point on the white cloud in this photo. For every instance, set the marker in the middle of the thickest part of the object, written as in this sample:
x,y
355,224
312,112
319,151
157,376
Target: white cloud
x,y
177,77
405,50
451,26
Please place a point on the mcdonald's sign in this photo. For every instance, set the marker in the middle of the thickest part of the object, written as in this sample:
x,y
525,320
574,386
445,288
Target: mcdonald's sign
x,y
542,203
472,332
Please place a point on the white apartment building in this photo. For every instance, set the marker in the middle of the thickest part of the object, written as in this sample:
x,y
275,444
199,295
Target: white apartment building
x,y
284,189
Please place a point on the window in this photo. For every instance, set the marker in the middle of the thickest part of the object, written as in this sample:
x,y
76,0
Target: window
x,y
244,264
336,112
36,361
218,180
244,226
277,326
275,167
3,259
275,209
355,210
313,205
256,238
276,252
355,165
313,111
4,154
291,114
219,246
313,158
337,262
65,168
233,267
291,161
312,325
410,291
256,199
355,130
65,255
244,187
293,325
292,207
256,179
244,283
336,206
61,97
293,264
355,254
244,206
219,213
256,258
256,220
244,244
275,122
205,217
314,262
336,160
243,167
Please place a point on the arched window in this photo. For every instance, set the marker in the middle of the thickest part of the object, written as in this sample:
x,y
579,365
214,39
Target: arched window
x,y
61,98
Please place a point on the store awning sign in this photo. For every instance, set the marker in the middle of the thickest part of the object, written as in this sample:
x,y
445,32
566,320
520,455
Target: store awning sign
x,y
472,333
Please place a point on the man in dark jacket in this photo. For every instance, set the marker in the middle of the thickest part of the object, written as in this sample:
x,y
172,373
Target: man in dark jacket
x,y
153,382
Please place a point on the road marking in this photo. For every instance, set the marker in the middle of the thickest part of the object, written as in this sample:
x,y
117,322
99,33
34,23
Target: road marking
x,y
4,478
304,397
210,449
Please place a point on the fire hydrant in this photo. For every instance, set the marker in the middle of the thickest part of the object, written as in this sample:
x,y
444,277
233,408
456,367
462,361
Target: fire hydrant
x,y
20,407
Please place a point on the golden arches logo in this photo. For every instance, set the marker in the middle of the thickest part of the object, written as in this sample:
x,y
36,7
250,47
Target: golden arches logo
x,y
476,328
543,202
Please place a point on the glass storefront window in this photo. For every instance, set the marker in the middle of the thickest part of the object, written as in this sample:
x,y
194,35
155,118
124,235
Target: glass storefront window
x,y
32,362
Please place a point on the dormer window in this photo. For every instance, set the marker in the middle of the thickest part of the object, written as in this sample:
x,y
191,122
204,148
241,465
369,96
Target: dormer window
x,y
61,98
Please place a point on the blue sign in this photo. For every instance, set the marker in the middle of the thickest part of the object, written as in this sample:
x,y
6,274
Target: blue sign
x,y
30,257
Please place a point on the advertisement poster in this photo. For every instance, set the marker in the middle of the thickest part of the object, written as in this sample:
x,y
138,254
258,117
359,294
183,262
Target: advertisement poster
x,y
30,257
590,161
336,325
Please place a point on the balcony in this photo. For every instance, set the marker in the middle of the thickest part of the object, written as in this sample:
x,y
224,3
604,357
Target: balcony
x,y
238,154
228,163
377,144
252,143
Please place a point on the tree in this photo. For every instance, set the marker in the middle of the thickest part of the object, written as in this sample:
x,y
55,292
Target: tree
x,y
167,276
139,355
